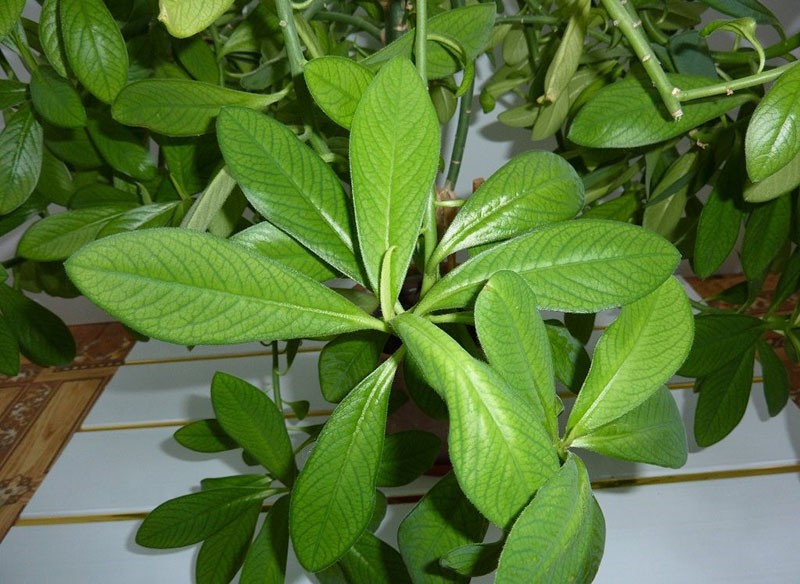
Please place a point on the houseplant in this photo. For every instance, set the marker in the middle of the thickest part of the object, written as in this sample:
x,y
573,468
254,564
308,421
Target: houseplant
x,y
227,293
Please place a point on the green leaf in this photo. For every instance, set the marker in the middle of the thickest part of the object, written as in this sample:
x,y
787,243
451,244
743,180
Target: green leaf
x,y
266,560
718,339
193,288
570,359
334,497
550,541
724,394
41,335
180,107
20,159
144,217
223,553
183,18
664,211
120,147
773,135
254,422
347,360
56,100
198,59
742,8
406,455
74,147
50,37
572,266
515,340
55,180
9,349
767,230
265,158
532,189
10,12
495,436
776,378
58,236
394,155
630,113
443,520
12,93
423,396
192,162
271,242
94,47
204,436
250,481
652,433
567,57
373,561
192,518
782,182
337,84
640,351
476,559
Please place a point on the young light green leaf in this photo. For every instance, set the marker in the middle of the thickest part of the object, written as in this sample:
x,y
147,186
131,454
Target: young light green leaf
x,y
776,378
723,399
192,518
532,189
572,266
204,436
718,339
183,18
20,159
337,84
766,233
50,37
334,496
514,338
254,422
223,553
373,561
630,113
347,360
549,542
773,135
193,288
58,236
634,357
495,436
651,433
180,107
394,155
56,100
775,185
264,156
406,455
10,12
9,349
211,202
567,57
443,520
94,47
266,560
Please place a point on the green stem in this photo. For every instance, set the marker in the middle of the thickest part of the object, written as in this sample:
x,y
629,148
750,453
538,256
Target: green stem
x,y
421,40
217,47
453,317
276,376
630,25
314,8
361,24
460,137
18,36
729,87
294,49
385,285
527,19
395,25
777,50
306,34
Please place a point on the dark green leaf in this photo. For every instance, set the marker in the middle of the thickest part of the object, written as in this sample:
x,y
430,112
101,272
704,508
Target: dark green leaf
x,y
204,436
56,100
741,8
347,360
223,553
719,339
198,59
767,230
423,395
10,12
406,455
50,37
12,93
372,561
246,481
266,561
55,180
20,159
73,147
144,217
776,378
9,349
120,147
570,359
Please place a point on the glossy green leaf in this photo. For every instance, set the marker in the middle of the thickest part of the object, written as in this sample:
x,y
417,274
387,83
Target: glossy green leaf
x,y
192,518
767,230
266,561
549,540
347,360
741,8
144,217
58,236
532,189
211,202
102,195
192,162
718,339
50,37
121,148
630,113
515,341
183,18
776,378
639,352
406,455
334,497
651,433
265,158
773,135
94,47
782,182
199,59
74,147
12,93
56,100
570,359
495,436
180,107
443,520
223,553
723,398
193,288
254,422
204,436
10,12
573,266
373,561
55,180
9,349
394,155
20,159
271,242
337,84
